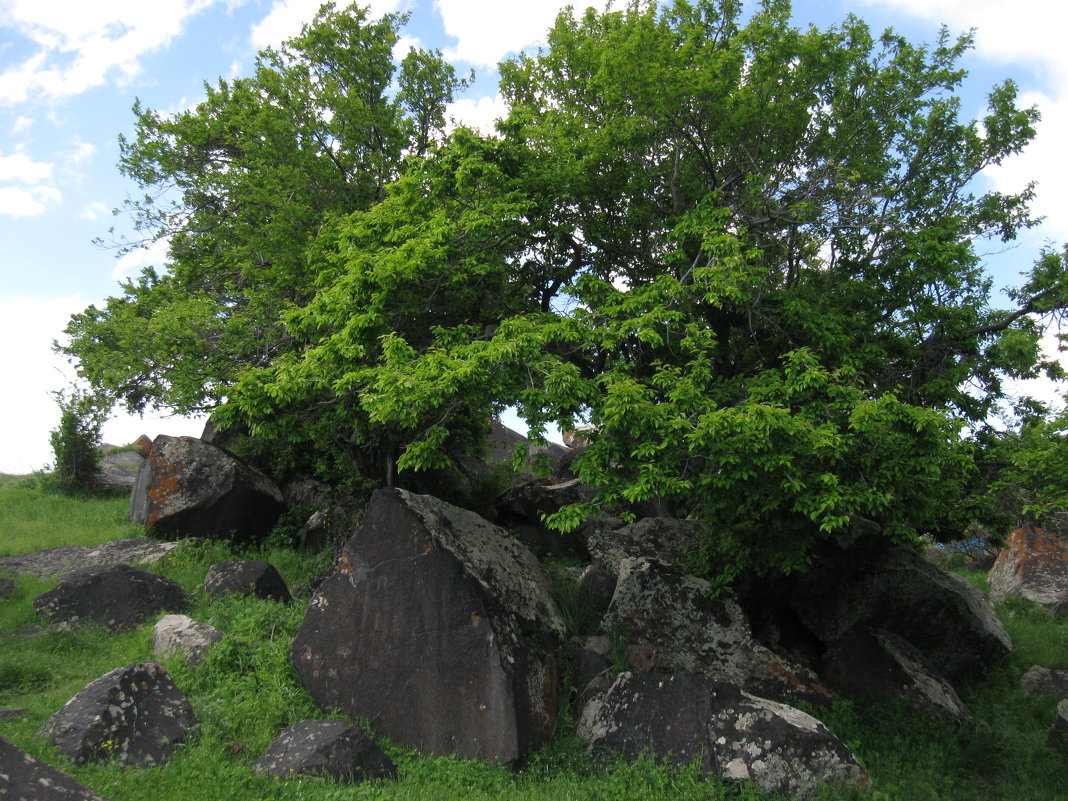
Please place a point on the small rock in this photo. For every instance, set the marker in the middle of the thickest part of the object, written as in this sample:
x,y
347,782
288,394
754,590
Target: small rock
x,y
134,714
182,634
246,577
1058,733
113,596
1044,681
331,748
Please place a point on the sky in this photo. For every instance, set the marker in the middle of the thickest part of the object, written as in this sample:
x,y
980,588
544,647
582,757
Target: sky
x,y
70,71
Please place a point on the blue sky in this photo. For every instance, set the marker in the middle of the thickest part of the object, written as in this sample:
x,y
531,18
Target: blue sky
x,y
71,70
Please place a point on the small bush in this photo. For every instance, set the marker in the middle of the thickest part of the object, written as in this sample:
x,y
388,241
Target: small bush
x,y
76,441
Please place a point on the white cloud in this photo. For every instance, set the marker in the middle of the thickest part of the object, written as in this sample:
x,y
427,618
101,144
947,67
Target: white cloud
x,y
488,30
22,124
26,202
286,18
80,152
95,211
20,167
480,113
27,410
155,255
82,45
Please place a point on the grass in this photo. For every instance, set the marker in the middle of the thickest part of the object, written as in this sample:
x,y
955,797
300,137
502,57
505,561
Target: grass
x,y
33,518
245,692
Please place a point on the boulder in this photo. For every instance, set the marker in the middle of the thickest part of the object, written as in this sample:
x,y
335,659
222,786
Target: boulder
x,y
686,629
730,733
117,471
521,508
113,596
65,559
440,628
893,589
144,445
1040,680
880,666
1058,733
666,539
596,588
246,577
23,778
134,714
192,488
331,748
1032,565
181,634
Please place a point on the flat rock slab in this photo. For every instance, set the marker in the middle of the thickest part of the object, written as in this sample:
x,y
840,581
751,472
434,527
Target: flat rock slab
x,y
729,732
134,714
682,628
24,778
188,487
440,628
246,577
113,596
1032,565
64,560
181,634
331,748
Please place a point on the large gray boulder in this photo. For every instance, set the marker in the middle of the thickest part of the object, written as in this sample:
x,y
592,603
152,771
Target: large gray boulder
x,y
134,714
331,748
117,471
686,629
1032,565
440,628
895,589
24,778
729,732
188,487
113,596
1039,680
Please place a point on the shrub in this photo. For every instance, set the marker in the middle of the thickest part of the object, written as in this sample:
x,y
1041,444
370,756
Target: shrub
x,y
76,441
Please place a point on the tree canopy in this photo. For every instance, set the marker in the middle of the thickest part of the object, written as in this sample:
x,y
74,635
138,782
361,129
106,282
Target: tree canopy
x,y
744,253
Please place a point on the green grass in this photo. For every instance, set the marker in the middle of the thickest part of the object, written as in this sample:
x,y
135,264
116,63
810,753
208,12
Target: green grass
x,y
33,518
245,692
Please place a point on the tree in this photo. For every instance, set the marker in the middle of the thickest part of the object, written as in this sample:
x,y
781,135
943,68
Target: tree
x,y
744,253
239,188
76,440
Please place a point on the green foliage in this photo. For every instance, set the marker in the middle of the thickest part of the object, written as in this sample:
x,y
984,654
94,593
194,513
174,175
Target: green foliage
x,y
76,440
744,253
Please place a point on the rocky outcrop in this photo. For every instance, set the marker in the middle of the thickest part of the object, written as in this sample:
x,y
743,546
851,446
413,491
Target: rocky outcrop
x,y
893,589
686,629
666,539
134,715
192,488
880,666
23,778
331,748
1032,565
729,732
112,596
246,577
181,634
440,628
117,471
64,560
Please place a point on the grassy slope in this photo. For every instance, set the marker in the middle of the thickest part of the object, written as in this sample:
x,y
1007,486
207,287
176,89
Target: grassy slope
x,y
245,692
